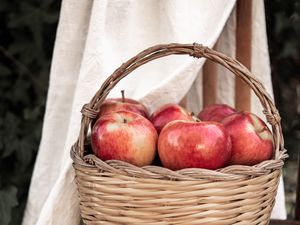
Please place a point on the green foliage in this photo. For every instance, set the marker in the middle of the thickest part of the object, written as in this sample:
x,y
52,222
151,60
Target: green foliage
x,y
8,200
283,23
27,32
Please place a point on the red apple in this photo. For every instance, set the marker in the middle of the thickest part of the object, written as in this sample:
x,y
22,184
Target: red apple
x,y
125,136
187,144
216,112
168,113
252,141
121,104
117,104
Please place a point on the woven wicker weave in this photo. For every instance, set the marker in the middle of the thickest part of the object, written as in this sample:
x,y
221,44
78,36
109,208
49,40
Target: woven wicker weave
x,y
115,192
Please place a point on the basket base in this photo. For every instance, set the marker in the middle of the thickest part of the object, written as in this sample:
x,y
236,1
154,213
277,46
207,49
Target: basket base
x,y
108,198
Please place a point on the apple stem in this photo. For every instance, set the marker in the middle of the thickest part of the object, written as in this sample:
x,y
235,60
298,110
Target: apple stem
x,y
124,120
194,117
123,95
197,120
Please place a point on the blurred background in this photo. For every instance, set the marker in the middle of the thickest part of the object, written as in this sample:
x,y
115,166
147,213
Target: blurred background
x,y
27,35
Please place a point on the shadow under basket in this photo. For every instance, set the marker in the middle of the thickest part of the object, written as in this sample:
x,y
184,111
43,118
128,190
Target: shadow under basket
x,y
115,192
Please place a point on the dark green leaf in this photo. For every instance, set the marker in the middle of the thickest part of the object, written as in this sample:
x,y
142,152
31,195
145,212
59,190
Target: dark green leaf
x,y
50,17
24,154
4,70
4,5
8,200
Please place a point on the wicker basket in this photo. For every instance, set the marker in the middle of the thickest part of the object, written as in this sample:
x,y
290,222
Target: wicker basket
x,y
115,192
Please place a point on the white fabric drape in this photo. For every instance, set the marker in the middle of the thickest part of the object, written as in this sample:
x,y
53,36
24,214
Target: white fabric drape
x,y
93,39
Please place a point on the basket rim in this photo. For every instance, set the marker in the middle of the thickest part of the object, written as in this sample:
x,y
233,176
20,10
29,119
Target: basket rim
x,y
233,172
91,109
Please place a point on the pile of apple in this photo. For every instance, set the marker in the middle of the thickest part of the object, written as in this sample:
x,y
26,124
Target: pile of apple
x,y
217,137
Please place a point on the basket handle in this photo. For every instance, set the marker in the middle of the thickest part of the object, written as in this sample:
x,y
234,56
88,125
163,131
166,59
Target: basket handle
x,y
90,110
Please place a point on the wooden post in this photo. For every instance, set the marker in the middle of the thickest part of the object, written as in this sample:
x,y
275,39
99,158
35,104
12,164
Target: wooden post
x,y
243,51
209,83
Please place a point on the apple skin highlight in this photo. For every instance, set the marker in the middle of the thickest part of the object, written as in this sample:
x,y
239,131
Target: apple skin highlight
x,y
124,136
167,113
216,112
186,144
252,141
126,104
